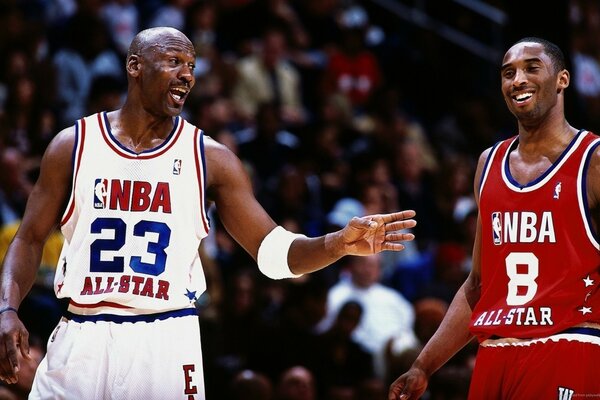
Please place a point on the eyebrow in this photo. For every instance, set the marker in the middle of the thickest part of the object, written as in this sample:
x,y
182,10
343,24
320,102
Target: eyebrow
x,y
527,61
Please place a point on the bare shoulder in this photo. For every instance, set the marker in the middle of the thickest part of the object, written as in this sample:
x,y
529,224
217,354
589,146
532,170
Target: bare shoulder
x,y
62,144
483,157
480,165
222,164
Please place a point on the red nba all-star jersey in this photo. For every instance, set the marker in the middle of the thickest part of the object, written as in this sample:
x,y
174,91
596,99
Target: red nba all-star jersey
x,y
539,253
133,223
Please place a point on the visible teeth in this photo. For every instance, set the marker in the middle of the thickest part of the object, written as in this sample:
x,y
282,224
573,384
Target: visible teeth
x,y
523,96
178,93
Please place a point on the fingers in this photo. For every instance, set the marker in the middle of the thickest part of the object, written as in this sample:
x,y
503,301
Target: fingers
x,y
400,215
400,225
10,366
13,345
397,392
24,345
399,237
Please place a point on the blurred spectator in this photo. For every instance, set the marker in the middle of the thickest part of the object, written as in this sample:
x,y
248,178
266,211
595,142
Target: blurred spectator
x,y
296,383
268,77
342,364
15,186
106,94
233,333
296,196
325,146
387,314
290,338
234,29
86,54
453,194
585,58
215,115
387,121
215,74
352,68
251,385
318,17
27,110
450,271
170,13
416,188
267,146
122,18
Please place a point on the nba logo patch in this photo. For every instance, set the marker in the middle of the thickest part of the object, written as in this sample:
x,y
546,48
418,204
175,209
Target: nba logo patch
x,y
497,228
557,190
100,193
176,166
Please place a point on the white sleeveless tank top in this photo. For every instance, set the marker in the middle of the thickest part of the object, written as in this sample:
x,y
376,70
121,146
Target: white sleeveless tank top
x,y
133,223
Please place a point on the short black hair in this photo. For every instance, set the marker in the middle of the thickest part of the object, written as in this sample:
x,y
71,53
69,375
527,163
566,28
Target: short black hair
x,y
553,51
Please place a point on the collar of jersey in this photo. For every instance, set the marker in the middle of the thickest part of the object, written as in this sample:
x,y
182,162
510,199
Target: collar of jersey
x,y
123,151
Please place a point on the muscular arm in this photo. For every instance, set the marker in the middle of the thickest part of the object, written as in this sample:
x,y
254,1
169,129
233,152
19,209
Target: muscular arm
x,y
22,260
248,223
453,333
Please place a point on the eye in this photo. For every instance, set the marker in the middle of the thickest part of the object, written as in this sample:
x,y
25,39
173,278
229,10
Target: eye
x,y
508,73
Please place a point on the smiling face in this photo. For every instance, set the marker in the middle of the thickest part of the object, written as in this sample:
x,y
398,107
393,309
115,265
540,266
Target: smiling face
x,y
161,67
531,81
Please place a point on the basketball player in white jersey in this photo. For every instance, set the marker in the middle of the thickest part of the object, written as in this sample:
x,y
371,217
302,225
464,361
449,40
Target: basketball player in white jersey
x,y
129,188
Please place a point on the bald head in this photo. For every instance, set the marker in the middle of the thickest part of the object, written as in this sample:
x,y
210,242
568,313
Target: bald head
x,y
152,37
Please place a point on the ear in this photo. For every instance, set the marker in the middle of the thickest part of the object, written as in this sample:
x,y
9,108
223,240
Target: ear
x,y
564,78
133,65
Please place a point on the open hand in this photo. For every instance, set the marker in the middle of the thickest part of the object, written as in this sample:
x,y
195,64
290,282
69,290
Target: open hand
x,y
374,233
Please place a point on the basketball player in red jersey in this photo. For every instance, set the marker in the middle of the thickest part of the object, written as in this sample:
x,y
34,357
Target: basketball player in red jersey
x,y
531,299
129,189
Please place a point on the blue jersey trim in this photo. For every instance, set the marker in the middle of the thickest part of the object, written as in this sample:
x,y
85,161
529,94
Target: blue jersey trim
x,y
583,331
131,318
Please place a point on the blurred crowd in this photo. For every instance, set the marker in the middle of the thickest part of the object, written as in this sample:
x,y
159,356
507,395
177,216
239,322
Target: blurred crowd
x,y
336,109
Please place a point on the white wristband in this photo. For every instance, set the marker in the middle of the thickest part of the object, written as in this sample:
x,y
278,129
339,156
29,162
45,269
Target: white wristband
x,y
273,253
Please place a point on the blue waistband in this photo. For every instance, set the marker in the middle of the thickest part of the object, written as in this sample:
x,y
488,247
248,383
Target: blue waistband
x,y
579,330
131,318
583,331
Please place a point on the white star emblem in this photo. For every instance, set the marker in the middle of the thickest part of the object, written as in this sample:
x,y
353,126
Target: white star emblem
x,y
585,310
588,281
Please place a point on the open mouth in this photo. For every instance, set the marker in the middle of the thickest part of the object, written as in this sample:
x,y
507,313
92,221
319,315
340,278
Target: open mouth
x,y
178,94
522,97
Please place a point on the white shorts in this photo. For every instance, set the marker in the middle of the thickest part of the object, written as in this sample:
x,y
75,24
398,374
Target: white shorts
x,y
106,358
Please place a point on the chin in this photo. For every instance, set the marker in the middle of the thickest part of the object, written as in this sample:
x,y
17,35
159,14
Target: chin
x,y
174,111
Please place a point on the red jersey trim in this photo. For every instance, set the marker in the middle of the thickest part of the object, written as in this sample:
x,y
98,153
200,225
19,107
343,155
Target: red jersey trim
x,y
77,154
201,173
98,305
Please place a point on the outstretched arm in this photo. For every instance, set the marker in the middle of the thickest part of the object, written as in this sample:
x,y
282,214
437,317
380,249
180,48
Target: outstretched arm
x,y
248,223
22,259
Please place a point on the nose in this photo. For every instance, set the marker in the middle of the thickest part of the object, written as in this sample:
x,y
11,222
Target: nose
x,y
520,77
186,74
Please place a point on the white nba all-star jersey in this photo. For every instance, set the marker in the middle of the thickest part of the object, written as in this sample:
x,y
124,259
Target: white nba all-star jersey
x,y
133,223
